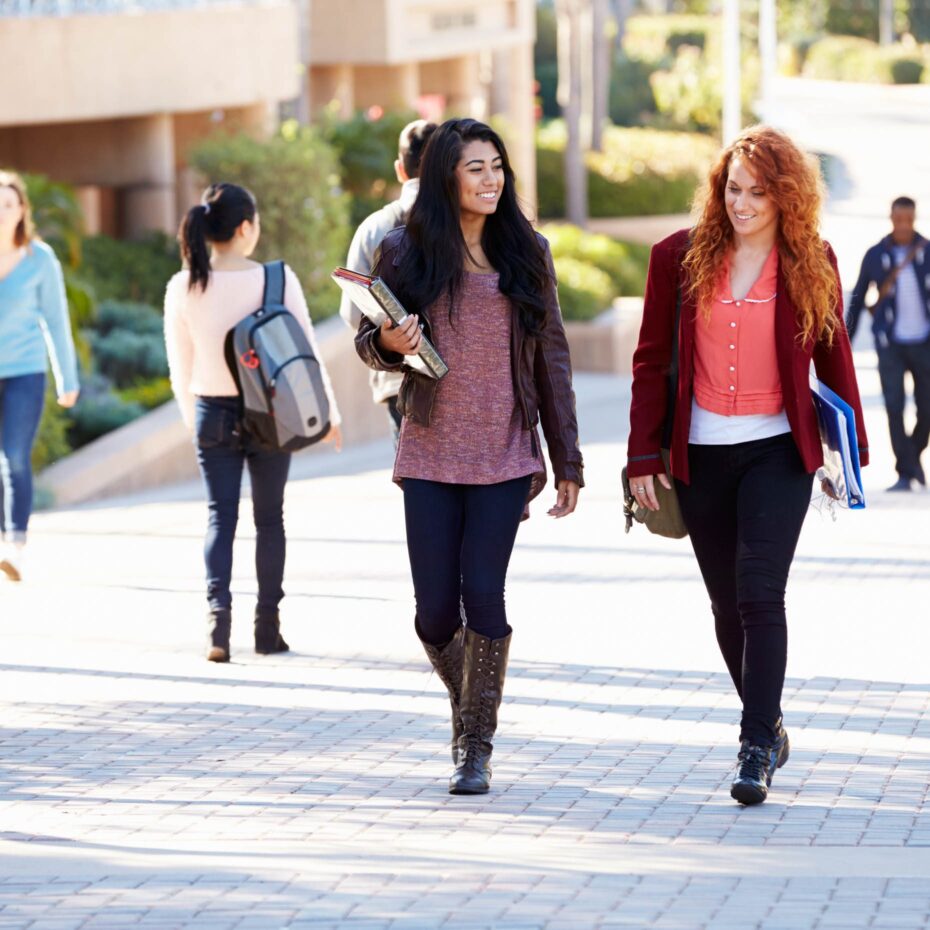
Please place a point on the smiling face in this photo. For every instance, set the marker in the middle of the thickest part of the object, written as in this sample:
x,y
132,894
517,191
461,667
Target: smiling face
x,y
750,209
11,214
480,175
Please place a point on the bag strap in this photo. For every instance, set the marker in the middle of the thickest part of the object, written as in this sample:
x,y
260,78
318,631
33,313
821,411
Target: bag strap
x,y
273,295
889,281
672,377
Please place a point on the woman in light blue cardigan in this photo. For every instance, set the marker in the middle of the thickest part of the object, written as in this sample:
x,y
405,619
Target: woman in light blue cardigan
x,y
33,323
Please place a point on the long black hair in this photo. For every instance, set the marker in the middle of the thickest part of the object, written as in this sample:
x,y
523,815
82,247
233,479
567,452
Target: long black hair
x,y
435,261
222,209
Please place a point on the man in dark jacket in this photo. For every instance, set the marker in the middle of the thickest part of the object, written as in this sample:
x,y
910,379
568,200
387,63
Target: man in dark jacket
x,y
899,267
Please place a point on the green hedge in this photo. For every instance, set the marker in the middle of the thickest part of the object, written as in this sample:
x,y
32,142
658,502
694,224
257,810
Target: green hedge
x,y
654,38
625,263
130,270
640,172
584,291
848,58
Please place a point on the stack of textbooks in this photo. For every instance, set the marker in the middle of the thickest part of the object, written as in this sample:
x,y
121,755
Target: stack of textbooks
x,y
376,300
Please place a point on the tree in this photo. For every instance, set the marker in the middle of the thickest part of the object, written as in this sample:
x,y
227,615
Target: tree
x,y
570,31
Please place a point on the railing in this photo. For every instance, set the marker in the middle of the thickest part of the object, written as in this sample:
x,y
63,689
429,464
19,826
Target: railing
x,y
20,8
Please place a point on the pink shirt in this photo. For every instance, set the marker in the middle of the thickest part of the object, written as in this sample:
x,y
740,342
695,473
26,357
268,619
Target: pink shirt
x,y
735,363
475,434
196,324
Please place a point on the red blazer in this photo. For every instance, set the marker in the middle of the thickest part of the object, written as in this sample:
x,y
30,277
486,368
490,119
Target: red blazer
x,y
834,366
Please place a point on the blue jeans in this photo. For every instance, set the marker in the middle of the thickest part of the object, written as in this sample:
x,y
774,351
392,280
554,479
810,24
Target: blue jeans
x,y
894,361
221,456
459,538
21,402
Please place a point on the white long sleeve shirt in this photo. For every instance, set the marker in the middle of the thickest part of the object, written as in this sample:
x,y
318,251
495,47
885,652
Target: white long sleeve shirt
x,y
196,324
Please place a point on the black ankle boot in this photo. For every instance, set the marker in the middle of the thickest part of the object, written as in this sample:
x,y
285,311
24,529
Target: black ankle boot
x,y
268,638
448,662
484,669
755,767
782,744
219,623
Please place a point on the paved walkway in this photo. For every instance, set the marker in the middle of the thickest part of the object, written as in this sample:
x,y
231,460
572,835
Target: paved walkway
x,y
142,787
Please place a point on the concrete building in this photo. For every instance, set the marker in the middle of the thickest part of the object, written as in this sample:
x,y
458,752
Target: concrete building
x,y
109,95
440,57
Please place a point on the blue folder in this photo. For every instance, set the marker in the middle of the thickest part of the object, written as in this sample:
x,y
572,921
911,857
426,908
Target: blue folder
x,y
840,445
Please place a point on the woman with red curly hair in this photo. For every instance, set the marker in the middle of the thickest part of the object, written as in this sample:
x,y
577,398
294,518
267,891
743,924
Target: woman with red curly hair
x,y
760,298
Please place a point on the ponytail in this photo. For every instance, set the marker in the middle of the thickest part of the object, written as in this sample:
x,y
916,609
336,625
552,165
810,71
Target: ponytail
x,y
223,210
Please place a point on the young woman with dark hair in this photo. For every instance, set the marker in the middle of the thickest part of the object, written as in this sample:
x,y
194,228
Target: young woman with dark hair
x,y
34,327
220,286
760,300
480,282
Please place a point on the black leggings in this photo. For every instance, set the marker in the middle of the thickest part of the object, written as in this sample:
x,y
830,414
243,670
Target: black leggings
x,y
460,537
744,509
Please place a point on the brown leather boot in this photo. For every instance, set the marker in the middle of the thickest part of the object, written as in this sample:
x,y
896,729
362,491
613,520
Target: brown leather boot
x,y
219,623
482,689
447,661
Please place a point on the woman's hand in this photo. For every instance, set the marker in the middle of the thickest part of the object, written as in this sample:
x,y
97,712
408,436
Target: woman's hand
x,y
643,489
68,399
566,500
334,436
403,339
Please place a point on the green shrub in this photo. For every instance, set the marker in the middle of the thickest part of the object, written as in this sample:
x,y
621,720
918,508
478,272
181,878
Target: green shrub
x,y
632,101
366,146
126,357
131,270
98,411
848,58
640,172
584,291
136,317
656,38
295,177
689,93
148,394
624,263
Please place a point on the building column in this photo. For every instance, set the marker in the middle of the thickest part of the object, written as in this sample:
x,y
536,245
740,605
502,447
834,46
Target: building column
x,y
149,202
466,94
521,122
333,83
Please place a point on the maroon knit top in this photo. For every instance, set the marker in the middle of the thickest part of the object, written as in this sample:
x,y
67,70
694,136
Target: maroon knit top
x,y
476,434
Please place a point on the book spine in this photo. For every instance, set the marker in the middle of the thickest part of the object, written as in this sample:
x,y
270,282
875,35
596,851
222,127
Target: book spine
x,y
395,310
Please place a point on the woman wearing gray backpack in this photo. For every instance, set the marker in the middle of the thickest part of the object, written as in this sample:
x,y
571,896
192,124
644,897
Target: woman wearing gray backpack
x,y
220,286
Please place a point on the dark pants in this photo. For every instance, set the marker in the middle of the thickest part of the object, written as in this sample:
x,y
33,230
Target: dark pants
x,y
394,418
21,401
744,510
894,360
460,537
221,457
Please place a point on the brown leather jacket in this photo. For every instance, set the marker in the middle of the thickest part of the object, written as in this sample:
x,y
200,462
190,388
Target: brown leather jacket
x,y
540,365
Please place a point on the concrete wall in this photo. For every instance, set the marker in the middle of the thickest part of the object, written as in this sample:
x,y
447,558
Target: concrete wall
x,y
156,449
72,68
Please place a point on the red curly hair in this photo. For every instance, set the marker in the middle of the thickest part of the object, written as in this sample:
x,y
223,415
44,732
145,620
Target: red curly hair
x,y
791,178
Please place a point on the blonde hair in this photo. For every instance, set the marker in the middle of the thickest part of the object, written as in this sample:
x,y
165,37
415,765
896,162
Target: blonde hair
x,y
791,178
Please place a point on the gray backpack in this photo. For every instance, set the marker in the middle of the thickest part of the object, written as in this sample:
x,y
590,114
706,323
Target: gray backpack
x,y
283,406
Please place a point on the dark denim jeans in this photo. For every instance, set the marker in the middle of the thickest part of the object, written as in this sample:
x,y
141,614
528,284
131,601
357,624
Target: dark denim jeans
x,y
744,510
894,361
21,401
221,456
459,538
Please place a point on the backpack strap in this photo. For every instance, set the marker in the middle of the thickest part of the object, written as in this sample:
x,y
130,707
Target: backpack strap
x,y
274,284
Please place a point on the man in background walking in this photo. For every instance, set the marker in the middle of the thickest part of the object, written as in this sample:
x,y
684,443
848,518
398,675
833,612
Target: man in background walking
x,y
899,267
367,238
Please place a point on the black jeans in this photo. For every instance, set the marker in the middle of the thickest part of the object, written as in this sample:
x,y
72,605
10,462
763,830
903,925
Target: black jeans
x,y
893,361
221,456
744,510
459,538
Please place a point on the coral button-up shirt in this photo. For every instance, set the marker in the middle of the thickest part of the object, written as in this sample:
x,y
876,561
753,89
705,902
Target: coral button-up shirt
x,y
735,362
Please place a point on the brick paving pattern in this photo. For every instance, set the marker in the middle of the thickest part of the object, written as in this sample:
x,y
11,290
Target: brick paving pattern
x,y
142,787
